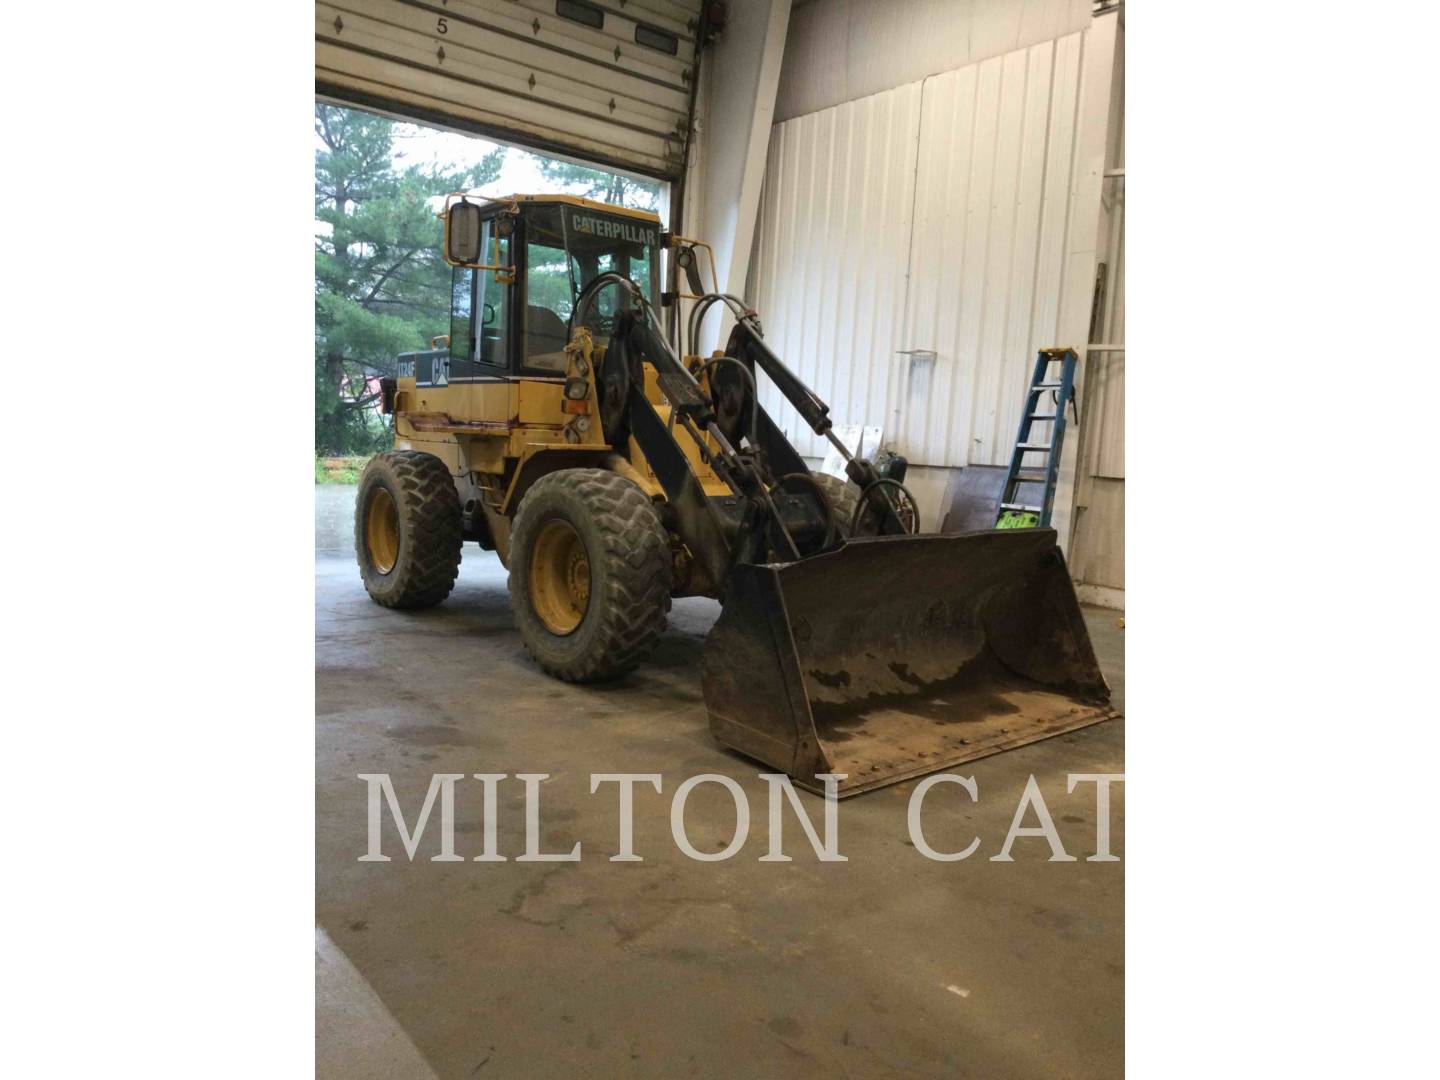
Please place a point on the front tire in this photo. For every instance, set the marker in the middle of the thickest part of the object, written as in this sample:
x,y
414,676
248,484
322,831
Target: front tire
x,y
590,574
407,529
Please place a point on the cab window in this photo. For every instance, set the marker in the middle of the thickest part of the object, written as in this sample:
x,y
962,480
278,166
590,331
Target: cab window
x,y
549,297
462,303
492,308
480,311
553,280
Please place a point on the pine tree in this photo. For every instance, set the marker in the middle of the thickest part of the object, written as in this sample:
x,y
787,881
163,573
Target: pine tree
x,y
604,186
381,286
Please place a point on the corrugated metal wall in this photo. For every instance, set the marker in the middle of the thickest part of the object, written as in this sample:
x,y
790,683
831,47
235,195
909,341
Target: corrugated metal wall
x,y
919,245
834,244
842,50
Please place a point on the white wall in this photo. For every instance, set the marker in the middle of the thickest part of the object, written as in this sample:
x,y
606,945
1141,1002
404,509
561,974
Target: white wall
x,y
841,50
958,214
833,255
1098,557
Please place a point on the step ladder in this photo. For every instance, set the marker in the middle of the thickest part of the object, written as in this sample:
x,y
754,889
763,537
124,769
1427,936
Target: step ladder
x,y
1012,513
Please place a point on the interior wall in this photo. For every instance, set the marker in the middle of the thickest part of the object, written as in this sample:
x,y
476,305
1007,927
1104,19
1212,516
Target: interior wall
x,y
739,75
842,50
919,244
1098,555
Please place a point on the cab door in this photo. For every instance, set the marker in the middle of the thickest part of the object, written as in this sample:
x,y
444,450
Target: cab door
x,y
482,310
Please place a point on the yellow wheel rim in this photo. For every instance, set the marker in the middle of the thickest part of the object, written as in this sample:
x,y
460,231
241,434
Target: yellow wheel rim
x,y
382,530
559,577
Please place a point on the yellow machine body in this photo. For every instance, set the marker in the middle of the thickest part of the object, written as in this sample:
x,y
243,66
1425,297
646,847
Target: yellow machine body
x,y
500,435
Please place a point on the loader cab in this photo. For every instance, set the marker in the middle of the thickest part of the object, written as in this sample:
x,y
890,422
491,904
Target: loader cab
x,y
518,266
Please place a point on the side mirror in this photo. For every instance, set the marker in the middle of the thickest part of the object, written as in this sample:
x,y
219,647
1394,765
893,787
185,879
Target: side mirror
x,y
464,237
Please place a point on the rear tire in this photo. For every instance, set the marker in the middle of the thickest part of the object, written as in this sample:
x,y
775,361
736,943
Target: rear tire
x,y
407,529
590,574
844,497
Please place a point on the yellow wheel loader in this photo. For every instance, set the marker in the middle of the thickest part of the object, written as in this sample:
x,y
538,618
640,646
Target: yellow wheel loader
x,y
558,426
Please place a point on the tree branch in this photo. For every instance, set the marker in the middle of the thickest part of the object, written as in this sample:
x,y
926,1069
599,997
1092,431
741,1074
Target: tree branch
x,y
388,274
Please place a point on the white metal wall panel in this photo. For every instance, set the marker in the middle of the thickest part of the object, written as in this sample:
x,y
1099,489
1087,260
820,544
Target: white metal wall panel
x,y
834,236
840,50
984,275
1110,458
517,70
991,210
1097,558
1107,387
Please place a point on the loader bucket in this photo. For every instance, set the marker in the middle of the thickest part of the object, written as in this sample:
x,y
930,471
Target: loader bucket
x,y
898,656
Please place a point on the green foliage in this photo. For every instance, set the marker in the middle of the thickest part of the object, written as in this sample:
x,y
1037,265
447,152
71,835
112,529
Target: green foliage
x,y
547,283
342,470
381,287
604,186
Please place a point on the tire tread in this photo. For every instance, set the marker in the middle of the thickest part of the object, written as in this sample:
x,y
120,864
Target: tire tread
x,y
637,590
429,509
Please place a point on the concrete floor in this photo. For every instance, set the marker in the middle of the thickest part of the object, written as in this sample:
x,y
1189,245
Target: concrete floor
x,y
886,965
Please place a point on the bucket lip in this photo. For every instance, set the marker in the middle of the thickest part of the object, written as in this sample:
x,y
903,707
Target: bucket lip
x,y
1022,536
1098,714
1036,538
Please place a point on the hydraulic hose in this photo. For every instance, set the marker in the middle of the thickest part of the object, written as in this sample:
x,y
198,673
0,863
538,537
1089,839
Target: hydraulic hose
x,y
868,495
754,393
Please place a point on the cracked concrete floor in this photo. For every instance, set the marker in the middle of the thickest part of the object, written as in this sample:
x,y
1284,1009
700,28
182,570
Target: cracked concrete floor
x,y
886,965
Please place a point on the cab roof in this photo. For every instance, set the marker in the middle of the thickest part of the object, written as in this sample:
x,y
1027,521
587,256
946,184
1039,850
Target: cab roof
x,y
576,200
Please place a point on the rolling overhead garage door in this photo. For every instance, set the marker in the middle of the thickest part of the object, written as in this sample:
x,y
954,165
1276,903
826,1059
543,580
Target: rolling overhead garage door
x,y
609,82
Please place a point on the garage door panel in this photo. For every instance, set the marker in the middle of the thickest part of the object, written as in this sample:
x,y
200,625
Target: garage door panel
x,y
519,21
516,69
479,57
620,19
557,57
345,74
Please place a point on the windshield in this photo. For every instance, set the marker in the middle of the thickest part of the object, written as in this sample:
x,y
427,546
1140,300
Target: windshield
x,y
597,243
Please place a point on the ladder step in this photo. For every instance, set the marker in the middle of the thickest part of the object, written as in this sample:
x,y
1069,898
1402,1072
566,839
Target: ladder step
x,y
1042,416
1041,479
1021,506
1046,386
1033,446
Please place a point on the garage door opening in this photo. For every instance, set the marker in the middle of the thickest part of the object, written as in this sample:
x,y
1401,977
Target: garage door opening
x,y
381,286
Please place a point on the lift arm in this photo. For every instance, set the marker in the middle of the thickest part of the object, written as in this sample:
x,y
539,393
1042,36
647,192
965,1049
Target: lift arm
x,y
746,343
698,520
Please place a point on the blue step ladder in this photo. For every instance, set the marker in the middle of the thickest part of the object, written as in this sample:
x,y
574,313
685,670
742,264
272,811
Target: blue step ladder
x,y
1014,514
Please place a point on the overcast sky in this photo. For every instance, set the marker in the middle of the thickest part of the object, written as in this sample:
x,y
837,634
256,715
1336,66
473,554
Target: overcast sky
x,y
415,145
